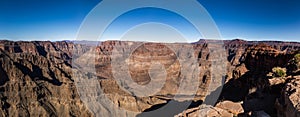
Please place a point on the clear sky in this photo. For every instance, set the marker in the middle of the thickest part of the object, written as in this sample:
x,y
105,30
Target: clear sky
x,y
60,19
157,23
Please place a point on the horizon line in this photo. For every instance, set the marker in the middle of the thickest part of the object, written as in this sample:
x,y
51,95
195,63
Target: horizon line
x,y
223,39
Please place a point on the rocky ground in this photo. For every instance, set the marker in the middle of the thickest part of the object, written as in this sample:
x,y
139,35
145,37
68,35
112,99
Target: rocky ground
x,y
61,78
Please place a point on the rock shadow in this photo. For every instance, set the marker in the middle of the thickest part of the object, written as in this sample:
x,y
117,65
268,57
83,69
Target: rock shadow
x,y
236,90
3,75
36,74
169,109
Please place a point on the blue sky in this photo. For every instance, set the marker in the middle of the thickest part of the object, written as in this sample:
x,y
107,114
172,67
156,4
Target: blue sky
x,y
151,16
60,19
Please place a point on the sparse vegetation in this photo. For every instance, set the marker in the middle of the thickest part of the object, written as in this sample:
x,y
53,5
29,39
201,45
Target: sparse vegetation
x,y
297,56
279,72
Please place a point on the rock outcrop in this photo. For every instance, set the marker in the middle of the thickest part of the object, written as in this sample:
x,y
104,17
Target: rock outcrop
x,y
205,111
288,105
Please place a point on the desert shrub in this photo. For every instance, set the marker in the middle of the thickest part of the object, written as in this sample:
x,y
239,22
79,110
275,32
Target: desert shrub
x,y
297,57
279,72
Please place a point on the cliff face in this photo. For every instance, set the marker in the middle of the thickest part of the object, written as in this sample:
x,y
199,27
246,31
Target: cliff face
x,y
41,78
36,80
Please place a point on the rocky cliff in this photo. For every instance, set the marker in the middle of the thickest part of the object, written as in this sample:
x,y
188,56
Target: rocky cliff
x,y
36,80
137,78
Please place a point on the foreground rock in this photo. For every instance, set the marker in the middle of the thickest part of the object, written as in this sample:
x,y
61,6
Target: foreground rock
x,y
288,105
205,111
234,108
222,109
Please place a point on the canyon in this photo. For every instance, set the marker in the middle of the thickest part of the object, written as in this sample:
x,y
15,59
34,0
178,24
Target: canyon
x,y
124,78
